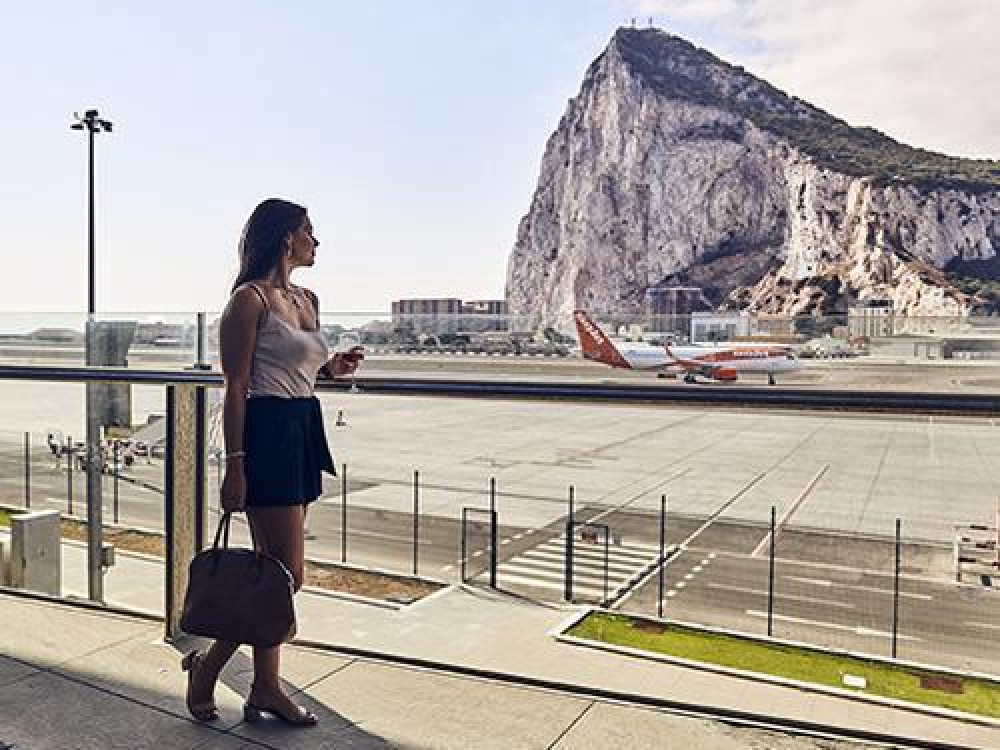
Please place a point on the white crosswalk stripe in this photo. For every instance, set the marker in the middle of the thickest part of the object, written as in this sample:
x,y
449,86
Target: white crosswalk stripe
x,y
543,566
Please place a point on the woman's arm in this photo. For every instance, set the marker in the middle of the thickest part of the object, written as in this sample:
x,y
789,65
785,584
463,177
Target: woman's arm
x,y
341,363
237,340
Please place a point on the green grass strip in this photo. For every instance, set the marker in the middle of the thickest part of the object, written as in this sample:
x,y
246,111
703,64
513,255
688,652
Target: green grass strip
x,y
888,680
5,517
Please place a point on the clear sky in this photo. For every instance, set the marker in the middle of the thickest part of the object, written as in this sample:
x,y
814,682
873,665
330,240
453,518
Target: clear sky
x,y
413,131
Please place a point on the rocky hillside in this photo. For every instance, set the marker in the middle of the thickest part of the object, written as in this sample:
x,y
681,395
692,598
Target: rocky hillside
x,y
671,167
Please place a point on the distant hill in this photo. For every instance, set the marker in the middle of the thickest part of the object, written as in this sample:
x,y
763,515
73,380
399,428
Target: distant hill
x,y
680,70
674,170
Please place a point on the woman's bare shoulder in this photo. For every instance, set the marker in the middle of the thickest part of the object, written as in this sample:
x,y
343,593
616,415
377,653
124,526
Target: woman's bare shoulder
x,y
246,301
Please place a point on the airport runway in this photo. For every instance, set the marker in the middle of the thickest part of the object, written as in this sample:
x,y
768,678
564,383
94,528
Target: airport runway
x,y
895,368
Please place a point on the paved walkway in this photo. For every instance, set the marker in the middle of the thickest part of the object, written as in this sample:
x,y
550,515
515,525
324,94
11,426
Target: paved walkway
x,y
76,678
63,667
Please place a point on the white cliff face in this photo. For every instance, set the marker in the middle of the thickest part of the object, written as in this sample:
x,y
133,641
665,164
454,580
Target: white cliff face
x,y
637,190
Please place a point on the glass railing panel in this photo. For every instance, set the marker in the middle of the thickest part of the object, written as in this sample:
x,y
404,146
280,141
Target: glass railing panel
x,y
837,483
44,451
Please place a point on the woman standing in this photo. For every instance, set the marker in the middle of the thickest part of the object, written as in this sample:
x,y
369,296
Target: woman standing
x,y
272,351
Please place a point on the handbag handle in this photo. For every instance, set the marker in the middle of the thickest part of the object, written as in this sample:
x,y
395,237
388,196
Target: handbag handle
x,y
222,533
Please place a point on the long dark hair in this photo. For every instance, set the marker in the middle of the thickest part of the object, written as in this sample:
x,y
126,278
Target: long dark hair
x,y
263,238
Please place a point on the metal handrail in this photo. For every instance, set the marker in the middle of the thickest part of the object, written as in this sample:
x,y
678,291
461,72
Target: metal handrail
x,y
899,402
84,374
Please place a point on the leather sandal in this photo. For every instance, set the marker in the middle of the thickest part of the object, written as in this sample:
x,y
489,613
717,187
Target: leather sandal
x,y
303,717
206,710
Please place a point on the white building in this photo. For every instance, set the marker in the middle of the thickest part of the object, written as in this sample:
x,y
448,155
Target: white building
x,y
873,319
719,326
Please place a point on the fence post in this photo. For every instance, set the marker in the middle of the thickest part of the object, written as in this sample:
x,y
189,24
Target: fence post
x,y
463,546
69,475
895,591
27,469
343,513
568,585
770,581
117,469
493,533
416,517
663,539
607,540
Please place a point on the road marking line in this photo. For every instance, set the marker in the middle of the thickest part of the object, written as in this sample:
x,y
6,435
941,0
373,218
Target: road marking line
x,y
989,625
870,589
706,562
680,584
560,559
558,575
590,590
557,565
477,553
696,569
592,552
671,593
446,568
712,518
762,592
582,547
505,541
689,576
814,581
834,626
518,536
759,550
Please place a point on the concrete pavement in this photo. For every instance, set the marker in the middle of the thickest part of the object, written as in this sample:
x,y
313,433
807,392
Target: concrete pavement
x,y
78,678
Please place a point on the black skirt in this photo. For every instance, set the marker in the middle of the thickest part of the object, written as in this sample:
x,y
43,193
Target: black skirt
x,y
286,451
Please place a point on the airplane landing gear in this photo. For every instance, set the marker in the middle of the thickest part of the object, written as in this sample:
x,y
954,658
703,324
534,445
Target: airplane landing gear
x,y
690,379
770,379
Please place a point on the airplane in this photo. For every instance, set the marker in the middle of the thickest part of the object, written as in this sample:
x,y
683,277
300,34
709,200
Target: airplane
x,y
698,363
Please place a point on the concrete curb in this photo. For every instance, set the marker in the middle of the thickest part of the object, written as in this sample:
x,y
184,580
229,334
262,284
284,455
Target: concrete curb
x,y
353,598
377,571
559,633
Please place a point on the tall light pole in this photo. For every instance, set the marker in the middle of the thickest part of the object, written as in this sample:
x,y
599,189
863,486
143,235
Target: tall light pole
x,y
92,122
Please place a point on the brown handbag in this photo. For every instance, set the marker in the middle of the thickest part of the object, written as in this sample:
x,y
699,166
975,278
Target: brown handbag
x,y
238,595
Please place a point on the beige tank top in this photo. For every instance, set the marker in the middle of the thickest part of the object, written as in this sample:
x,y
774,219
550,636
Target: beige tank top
x,y
286,359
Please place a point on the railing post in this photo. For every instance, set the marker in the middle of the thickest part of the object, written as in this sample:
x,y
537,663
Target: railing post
x,y
95,479
185,492
27,469
201,363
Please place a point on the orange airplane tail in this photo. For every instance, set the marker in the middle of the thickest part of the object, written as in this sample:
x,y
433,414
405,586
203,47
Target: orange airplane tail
x,y
594,344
